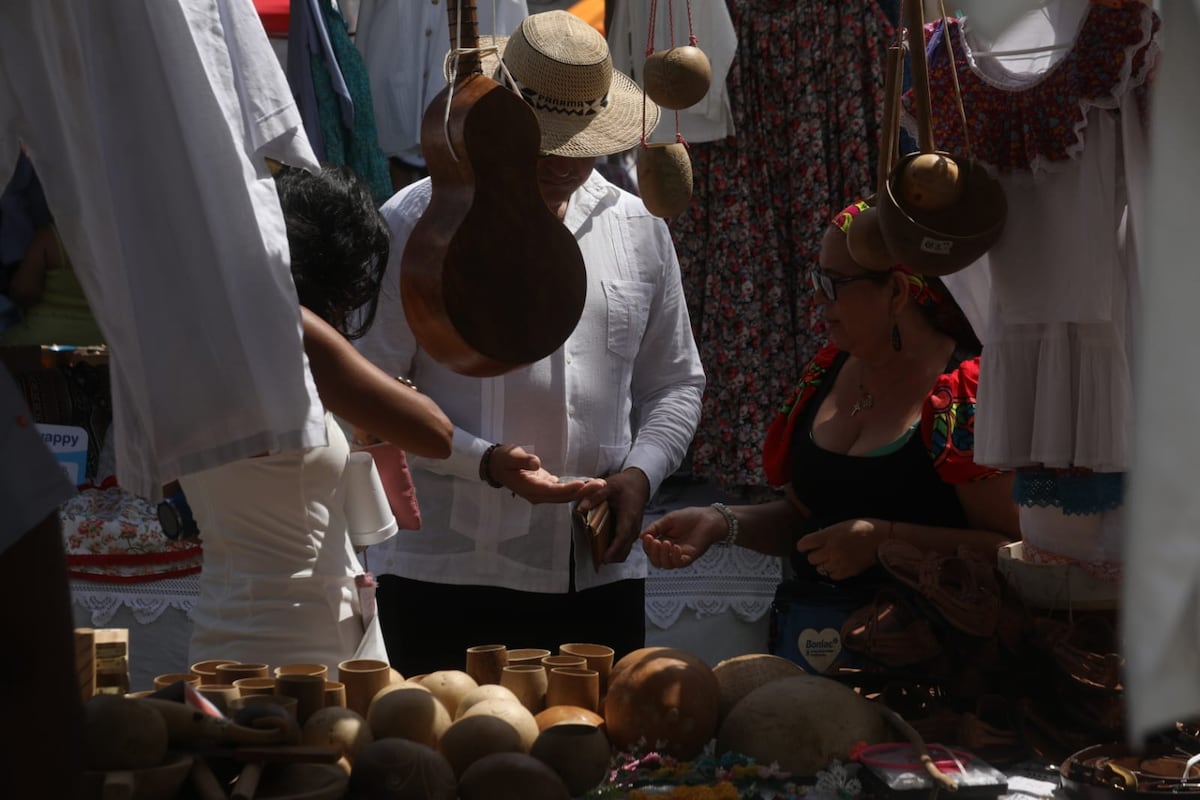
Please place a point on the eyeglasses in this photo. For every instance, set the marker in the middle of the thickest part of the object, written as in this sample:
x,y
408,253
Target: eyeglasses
x,y
827,284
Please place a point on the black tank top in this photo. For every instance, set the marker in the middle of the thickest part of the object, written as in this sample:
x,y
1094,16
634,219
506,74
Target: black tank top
x,y
901,485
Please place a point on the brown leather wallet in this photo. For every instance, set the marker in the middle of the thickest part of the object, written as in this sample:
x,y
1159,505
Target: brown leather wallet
x,y
597,525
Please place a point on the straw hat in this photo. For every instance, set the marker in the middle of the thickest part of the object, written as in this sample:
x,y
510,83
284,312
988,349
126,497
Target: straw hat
x,y
562,67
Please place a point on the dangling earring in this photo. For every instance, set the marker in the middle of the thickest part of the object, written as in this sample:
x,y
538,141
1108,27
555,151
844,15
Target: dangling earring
x,y
897,345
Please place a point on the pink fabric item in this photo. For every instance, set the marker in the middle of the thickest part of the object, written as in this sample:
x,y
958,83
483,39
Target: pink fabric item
x,y
392,464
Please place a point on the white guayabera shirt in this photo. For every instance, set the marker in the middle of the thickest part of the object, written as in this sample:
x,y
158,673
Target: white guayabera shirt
x,y
622,391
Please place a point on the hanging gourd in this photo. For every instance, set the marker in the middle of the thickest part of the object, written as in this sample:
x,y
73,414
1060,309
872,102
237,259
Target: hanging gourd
x,y
678,77
674,78
938,212
665,178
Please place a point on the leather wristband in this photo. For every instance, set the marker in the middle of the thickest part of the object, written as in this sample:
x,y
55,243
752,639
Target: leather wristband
x,y
485,467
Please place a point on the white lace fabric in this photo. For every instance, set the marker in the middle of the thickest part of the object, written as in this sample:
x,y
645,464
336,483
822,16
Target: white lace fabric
x,y
725,580
147,601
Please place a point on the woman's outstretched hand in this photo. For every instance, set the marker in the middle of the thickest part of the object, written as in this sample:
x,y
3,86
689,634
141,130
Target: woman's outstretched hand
x,y
680,537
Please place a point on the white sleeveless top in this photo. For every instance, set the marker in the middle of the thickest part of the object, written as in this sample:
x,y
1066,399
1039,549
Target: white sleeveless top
x,y
278,584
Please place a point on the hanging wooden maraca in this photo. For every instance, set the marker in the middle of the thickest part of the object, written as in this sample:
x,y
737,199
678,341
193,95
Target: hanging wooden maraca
x,y
675,78
938,212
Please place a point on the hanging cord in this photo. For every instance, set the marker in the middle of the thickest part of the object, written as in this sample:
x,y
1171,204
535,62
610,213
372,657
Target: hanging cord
x,y
962,113
649,52
693,42
450,69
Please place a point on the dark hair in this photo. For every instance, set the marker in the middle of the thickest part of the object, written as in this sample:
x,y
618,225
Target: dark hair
x,y
339,245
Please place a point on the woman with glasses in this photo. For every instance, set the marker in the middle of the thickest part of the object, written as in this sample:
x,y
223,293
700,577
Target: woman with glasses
x,y
874,445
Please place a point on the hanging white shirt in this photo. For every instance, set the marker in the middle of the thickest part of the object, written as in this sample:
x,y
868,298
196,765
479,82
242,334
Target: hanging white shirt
x,y
1161,594
148,123
709,20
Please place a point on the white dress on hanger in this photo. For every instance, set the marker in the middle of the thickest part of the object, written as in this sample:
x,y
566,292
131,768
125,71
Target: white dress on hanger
x,y
1058,121
1053,300
278,584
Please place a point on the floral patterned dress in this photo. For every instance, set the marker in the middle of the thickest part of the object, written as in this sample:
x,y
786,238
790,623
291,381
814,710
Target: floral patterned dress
x,y
806,89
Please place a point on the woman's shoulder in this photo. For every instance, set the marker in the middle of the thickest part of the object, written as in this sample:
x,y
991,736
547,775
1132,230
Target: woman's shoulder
x,y
777,443
815,372
948,423
960,378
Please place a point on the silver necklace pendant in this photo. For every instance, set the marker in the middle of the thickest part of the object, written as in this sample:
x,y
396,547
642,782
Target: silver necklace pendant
x,y
863,403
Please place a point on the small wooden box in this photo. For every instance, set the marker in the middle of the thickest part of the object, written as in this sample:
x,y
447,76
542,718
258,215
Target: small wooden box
x,y
102,661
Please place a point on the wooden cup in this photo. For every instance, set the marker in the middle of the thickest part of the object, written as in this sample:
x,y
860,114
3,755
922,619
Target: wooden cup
x,y
207,670
571,686
335,694
485,662
233,671
302,669
598,657
528,682
553,662
163,681
527,655
363,679
309,691
255,685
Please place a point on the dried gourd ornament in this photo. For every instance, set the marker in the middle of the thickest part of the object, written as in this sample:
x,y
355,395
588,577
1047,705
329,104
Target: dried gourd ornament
x,y
675,78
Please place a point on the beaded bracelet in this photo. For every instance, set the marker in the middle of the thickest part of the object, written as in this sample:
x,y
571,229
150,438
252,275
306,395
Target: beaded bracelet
x,y
731,522
485,468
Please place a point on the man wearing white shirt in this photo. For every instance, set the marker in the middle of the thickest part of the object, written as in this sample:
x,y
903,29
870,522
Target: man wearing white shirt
x,y
617,402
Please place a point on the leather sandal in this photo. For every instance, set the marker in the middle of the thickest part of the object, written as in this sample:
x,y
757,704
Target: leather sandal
x,y
1083,651
890,631
961,588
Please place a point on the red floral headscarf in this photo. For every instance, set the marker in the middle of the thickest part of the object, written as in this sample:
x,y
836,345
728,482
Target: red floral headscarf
x,y
919,289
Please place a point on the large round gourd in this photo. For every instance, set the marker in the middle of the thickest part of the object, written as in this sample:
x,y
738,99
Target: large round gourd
x,y
802,723
664,696
487,691
449,686
471,738
740,675
511,776
399,769
408,711
335,726
512,712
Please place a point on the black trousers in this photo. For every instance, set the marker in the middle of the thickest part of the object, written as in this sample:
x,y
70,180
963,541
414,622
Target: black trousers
x,y
428,626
